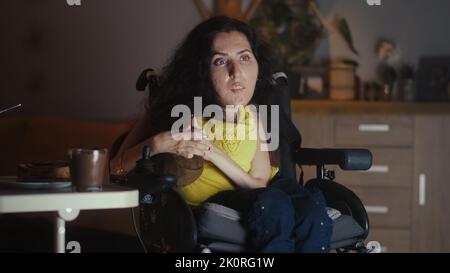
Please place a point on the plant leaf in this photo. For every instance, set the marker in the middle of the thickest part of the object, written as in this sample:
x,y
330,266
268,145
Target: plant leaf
x,y
344,30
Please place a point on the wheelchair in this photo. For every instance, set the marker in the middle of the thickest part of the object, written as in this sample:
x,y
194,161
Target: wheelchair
x,y
169,224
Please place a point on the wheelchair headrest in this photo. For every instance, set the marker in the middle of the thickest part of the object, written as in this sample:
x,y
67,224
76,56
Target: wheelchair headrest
x,y
279,78
148,77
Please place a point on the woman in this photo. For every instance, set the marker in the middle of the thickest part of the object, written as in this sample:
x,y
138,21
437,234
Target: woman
x,y
223,61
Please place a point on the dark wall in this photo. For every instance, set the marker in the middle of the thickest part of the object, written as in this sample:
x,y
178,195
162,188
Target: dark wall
x,y
82,61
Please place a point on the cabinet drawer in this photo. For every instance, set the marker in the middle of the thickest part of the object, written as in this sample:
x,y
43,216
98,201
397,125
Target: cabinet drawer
x,y
387,208
391,167
374,130
391,240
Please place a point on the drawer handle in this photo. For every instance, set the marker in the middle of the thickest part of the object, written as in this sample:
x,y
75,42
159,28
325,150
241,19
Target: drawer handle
x,y
378,169
377,209
422,189
374,128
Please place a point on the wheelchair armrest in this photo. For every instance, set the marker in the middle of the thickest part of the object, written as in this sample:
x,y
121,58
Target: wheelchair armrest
x,y
149,185
343,199
347,159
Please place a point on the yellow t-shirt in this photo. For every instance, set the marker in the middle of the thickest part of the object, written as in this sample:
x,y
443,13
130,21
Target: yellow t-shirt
x,y
238,141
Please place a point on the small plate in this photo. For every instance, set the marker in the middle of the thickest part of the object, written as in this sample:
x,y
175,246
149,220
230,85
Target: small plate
x,y
11,182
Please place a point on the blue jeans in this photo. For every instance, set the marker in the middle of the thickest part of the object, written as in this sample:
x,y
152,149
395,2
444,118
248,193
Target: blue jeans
x,y
283,217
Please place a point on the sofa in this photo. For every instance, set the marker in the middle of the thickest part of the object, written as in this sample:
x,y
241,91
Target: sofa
x,y
25,139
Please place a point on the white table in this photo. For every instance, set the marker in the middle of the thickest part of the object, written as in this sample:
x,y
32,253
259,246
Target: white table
x,y
67,202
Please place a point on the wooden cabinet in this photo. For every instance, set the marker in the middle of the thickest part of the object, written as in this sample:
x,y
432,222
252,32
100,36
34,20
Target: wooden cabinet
x,y
444,220
431,188
373,130
407,190
391,167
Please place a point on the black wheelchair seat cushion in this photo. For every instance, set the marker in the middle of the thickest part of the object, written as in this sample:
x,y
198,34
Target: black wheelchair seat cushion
x,y
218,223
345,228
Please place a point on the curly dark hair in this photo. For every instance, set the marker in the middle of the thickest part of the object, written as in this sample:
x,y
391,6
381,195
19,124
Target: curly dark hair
x,y
188,72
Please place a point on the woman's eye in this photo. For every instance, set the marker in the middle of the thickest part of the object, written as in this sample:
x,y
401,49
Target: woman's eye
x,y
219,61
245,58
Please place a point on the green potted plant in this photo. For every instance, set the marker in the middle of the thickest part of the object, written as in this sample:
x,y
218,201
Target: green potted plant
x,y
295,28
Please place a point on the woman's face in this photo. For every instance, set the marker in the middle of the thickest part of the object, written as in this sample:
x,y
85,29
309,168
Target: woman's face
x,y
234,68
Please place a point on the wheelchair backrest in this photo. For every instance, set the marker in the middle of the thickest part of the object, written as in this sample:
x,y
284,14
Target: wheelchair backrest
x,y
290,138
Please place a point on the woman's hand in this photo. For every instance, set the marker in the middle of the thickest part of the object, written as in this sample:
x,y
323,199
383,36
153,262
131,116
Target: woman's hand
x,y
259,173
193,142
188,143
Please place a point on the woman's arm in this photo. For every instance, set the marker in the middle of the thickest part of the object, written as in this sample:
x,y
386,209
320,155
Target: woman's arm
x,y
259,173
165,142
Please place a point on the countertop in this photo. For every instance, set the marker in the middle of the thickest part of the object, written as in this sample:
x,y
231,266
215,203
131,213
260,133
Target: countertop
x,y
368,107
